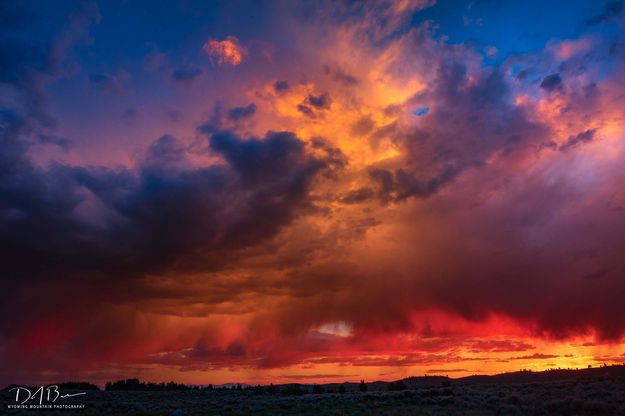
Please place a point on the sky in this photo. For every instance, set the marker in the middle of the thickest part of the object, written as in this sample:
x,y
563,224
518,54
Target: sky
x,y
310,191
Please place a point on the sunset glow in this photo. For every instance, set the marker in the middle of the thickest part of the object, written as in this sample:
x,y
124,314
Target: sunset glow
x,y
276,192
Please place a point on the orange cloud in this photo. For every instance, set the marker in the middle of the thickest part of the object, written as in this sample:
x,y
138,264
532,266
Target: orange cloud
x,y
225,52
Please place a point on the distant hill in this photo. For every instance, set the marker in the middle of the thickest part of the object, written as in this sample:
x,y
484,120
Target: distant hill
x,y
610,372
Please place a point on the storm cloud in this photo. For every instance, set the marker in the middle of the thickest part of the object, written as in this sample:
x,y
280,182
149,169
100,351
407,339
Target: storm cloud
x,y
303,213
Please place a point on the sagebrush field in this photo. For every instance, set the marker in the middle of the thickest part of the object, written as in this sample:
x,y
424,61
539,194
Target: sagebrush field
x,y
599,391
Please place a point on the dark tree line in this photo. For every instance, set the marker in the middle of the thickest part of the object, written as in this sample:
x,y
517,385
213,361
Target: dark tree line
x,y
136,385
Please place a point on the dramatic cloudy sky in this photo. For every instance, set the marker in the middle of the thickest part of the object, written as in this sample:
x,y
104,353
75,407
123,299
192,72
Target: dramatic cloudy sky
x,y
310,191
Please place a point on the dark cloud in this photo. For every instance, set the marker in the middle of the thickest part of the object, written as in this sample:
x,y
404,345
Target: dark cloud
x,y
186,73
357,195
345,78
221,118
473,121
551,83
523,74
62,142
385,182
28,62
394,360
573,141
280,86
499,346
342,77
550,144
535,356
238,113
401,184
321,101
163,210
611,11
261,160
24,122
103,82
305,110
93,228
314,104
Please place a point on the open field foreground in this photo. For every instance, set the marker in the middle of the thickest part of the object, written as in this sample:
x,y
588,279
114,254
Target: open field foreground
x,y
585,392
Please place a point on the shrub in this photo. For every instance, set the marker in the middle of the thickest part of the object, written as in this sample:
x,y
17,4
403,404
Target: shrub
x,y
317,389
293,390
363,386
396,386
508,409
